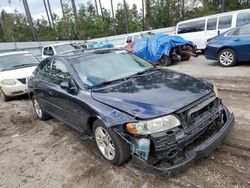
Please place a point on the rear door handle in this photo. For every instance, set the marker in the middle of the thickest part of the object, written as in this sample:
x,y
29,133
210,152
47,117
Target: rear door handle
x,y
237,40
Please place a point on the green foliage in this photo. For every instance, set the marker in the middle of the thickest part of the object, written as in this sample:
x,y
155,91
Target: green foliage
x,y
87,24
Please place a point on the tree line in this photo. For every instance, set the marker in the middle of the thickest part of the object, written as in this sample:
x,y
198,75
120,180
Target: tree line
x,y
87,22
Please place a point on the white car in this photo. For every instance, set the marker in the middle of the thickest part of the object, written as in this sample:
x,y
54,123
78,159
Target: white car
x,y
15,68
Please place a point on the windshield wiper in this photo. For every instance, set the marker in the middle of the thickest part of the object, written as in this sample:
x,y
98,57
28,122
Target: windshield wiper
x,y
25,65
143,72
107,83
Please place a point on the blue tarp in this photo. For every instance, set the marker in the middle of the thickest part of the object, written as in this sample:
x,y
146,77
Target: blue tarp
x,y
102,45
152,48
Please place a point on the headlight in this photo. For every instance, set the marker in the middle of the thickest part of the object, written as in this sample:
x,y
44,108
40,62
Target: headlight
x,y
153,126
8,82
216,91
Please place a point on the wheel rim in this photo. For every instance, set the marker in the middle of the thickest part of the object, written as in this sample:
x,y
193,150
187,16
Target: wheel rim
x,y
37,108
105,143
226,58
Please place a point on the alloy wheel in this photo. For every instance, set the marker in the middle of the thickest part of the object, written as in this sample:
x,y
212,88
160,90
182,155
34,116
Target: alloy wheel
x,y
37,108
226,58
105,143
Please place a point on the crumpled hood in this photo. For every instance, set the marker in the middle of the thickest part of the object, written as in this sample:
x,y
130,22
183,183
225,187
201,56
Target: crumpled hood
x,y
153,94
17,73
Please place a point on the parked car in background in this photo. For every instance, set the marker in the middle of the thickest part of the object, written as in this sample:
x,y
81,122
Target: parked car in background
x,y
136,36
53,49
15,68
199,30
162,49
230,47
161,119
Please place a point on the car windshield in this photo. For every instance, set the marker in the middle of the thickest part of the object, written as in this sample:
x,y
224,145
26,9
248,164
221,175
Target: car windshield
x,y
100,68
8,62
64,48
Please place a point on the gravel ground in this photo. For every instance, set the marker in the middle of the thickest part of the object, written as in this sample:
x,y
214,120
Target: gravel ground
x,y
49,154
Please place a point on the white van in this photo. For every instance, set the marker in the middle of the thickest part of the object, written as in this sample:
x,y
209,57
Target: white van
x,y
198,30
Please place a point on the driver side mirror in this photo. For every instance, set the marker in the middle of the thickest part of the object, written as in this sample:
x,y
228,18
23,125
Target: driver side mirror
x,y
69,86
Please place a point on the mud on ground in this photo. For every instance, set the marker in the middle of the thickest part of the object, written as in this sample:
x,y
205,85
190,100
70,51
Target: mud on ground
x,y
49,154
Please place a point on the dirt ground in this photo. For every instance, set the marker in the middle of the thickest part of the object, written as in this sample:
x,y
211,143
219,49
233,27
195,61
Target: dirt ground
x,y
49,154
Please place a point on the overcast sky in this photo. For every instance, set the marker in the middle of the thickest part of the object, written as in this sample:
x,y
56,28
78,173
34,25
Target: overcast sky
x,y
37,7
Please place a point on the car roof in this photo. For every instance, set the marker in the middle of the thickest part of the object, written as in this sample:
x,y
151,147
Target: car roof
x,y
57,44
85,53
14,53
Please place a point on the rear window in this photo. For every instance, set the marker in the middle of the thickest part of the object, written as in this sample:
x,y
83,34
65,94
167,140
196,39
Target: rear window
x,y
190,27
225,22
211,23
243,18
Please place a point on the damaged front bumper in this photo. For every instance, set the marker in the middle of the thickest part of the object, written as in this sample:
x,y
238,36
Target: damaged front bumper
x,y
190,156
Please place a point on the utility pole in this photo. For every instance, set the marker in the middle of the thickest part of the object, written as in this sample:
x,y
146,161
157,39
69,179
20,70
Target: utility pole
x,y
96,7
45,6
143,22
101,7
76,18
113,16
29,19
126,15
222,6
51,15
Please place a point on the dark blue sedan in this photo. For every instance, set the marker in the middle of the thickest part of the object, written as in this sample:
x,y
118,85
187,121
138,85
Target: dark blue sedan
x,y
230,47
159,119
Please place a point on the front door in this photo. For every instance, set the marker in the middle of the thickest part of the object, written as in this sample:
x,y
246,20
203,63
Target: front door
x,y
67,105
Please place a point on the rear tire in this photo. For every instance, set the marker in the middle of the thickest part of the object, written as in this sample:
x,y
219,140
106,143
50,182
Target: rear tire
x,y
227,57
3,97
111,146
38,110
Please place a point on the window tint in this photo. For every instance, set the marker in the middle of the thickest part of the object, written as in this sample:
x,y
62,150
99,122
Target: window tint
x,y
45,51
243,18
43,70
245,30
59,72
211,23
191,27
225,22
136,37
129,39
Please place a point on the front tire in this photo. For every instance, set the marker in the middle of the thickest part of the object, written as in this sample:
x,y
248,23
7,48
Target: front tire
x,y
38,110
111,146
227,57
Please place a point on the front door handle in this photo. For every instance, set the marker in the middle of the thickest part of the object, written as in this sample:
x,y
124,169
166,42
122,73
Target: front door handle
x,y
237,40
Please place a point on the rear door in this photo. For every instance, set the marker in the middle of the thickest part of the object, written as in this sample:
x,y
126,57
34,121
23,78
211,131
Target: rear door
x,y
211,28
40,84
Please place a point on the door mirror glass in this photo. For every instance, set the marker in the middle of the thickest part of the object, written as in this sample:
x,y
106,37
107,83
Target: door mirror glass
x,y
69,86
65,86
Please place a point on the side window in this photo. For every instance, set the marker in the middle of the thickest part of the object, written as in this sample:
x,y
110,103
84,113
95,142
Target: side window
x,y
190,27
243,18
136,37
129,39
244,30
59,72
211,23
43,70
50,51
225,22
45,51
